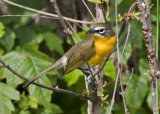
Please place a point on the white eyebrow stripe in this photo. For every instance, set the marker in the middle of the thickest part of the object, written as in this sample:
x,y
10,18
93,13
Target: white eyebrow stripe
x,y
98,28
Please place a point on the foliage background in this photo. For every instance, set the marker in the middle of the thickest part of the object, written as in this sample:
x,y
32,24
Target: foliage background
x,y
31,44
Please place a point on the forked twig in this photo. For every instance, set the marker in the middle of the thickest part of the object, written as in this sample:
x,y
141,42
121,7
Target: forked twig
x,y
130,78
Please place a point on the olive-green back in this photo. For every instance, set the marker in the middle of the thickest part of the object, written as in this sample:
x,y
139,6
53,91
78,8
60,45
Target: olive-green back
x,y
79,54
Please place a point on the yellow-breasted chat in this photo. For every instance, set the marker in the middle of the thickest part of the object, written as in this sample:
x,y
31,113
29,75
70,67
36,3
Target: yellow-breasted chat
x,y
93,50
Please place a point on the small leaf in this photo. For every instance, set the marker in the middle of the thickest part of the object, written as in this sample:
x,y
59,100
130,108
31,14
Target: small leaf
x,y
24,35
53,108
24,112
110,70
33,102
136,92
53,42
97,1
136,31
1,52
25,19
1,30
8,39
143,66
72,77
23,102
7,94
127,54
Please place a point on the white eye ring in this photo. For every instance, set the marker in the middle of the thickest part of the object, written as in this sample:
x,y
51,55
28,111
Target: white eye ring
x,y
101,31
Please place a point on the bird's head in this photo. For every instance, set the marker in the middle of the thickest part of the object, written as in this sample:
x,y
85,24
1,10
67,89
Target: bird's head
x,y
101,29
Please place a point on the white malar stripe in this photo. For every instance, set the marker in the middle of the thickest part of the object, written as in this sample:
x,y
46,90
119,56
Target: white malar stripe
x,y
64,60
98,28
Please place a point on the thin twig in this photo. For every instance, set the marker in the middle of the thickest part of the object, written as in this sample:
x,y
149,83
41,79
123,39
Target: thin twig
x,y
103,11
119,60
114,92
129,27
62,21
45,13
43,86
121,82
80,27
28,16
73,30
130,78
88,9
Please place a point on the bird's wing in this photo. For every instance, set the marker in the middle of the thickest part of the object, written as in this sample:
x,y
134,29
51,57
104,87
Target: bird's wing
x,y
82,52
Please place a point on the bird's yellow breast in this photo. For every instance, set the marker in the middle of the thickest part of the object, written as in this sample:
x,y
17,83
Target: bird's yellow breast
x,y
103,46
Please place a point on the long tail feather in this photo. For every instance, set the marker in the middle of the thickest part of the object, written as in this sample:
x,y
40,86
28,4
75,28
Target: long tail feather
x,y
55,66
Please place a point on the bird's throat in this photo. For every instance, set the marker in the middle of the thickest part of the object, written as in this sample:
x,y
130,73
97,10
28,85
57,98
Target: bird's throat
x,y
103,46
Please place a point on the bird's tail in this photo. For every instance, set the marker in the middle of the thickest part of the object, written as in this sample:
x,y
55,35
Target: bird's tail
x,y
60,63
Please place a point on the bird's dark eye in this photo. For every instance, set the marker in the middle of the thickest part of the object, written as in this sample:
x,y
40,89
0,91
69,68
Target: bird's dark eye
x,y
101,31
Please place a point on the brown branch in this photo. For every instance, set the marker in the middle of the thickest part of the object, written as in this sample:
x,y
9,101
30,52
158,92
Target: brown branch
x,y
130,78
43,86
144,9
33,16
121,82
45,13
119,61
62,21
123,92
73,31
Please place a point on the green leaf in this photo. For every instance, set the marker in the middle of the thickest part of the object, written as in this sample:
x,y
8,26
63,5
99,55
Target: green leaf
x,y
118,107
143,66
53,42
1,52
29,63
127,54
149,101
53,108
7,94
136,91
110,70
32,49
24,112
17,61
25,19
24,35
98,1
1,30
23,102
8,39
33,102
82,35
35,65
72,77
136,32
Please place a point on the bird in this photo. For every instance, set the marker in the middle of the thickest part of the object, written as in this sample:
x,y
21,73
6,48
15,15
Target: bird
x,y
90,51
